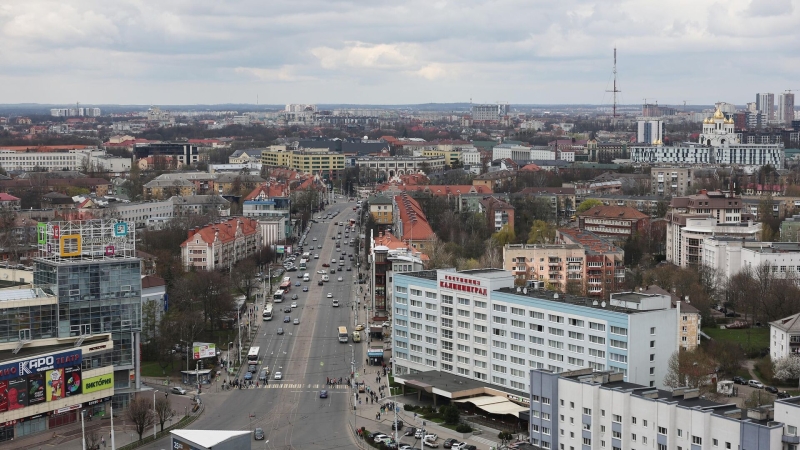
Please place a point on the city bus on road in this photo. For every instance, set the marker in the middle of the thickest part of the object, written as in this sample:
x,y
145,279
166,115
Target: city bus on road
x,y
285,285
277,297
303,264
343,337
252,355
268,312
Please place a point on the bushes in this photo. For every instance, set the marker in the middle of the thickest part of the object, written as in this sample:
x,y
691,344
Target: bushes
x,y
463,428
450,414
408,407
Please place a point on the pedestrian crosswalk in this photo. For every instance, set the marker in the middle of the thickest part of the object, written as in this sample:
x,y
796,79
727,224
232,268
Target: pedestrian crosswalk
x,y
484,441
299,386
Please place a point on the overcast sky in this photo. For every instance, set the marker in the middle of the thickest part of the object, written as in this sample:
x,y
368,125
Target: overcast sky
x,y
396,52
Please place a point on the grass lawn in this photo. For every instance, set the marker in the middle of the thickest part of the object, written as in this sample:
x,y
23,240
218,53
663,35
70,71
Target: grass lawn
x,y
749,338
152,369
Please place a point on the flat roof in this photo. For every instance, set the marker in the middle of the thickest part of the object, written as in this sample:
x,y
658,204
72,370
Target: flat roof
x,y
596,303
450,383
27,352
208,438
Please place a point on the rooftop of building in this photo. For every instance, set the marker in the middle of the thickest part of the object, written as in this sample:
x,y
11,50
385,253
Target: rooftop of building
x,y
224,230
415,224
547,190
789,324
455,385
589,241
27,352
614,212
379,200
545,295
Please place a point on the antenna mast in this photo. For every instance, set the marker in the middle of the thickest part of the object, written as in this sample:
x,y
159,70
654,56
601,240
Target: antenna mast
x,y
615,90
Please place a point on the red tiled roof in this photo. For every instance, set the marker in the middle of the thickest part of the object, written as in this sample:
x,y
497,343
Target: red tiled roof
x,y
268,190
7,197
614,212
415,224
225,231
152,281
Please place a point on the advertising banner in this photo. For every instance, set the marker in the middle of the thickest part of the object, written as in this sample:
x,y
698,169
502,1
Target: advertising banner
x,y
279,249
55,385
98,383
3,396
36,389
39,364
17,393
178,444
72,380
203,350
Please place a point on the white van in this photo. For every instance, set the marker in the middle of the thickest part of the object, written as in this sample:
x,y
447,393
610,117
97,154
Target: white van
x,y
335,303
326,278
306,277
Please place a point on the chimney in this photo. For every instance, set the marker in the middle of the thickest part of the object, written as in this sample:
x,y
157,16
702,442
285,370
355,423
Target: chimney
x,y
691,393
650,394
191,233
678,391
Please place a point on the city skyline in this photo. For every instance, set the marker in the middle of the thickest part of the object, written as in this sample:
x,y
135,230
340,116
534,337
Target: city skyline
x,y
385,53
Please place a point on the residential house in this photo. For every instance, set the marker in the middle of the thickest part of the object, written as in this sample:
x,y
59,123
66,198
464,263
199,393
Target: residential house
x,y
784,337
498,213
222,244
380,208
617,223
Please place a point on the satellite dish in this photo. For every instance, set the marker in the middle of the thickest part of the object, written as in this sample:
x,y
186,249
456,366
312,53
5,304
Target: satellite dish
x,y
603,304
594,303
518,289
525,291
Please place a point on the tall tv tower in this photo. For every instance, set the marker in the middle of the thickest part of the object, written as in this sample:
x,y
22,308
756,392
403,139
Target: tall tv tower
x,y
615,90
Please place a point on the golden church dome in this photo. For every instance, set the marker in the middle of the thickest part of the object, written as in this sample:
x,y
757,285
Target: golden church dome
x,y
718,114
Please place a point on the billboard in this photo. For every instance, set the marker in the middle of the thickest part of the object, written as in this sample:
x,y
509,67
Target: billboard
x,y
3,396
72,381
55,385
17,393
36,389
98,383
40,364
203,350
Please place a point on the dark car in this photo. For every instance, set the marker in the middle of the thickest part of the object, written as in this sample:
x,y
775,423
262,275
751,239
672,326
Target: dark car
x,y
333,270
783,394
339,269
739,380
295,297
373,434
287,309
771,390
399,425
280,330
410,431
287,319
448,443
258,434
349,268
248,376
323,394
305,288
320,283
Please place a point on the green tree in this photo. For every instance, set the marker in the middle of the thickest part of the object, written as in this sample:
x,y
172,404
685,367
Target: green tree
x,y
541,233
450,414
588,204
505,236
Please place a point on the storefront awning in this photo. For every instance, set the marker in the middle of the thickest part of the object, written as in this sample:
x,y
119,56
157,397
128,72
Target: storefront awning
x,y
495,405
482,400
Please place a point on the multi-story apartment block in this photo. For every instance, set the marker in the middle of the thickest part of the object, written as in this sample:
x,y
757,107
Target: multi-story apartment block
x,y
381,168
164,189
562,200
380,208
410,223
690,321
476,325
221,244
316,161
784,337
498,213
516,152
249,155
185,154
671,181
451,157
617,223
588,409
786,109
722,206
489,113
89,159
214,205
765,104
687,237
650,131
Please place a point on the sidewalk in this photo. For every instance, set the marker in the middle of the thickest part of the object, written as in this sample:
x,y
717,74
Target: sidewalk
x,y
366,416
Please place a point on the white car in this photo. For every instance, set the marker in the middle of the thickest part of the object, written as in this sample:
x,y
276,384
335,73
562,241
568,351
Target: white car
x,y
314,239
316,256
431,437
294,304
340,279
330,295
427,443
321,272
278,375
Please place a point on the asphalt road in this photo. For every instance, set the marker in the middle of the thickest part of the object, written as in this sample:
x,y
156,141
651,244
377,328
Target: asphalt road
x,y
290,411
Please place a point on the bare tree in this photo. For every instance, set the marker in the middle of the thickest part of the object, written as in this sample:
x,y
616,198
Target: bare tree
x,y
164,410
92,439
141,414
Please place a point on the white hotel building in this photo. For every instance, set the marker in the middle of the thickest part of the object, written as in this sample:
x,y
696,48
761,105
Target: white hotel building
x,y
475,324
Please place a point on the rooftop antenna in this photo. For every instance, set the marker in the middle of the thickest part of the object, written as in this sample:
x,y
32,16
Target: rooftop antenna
x,y
615,90
684,106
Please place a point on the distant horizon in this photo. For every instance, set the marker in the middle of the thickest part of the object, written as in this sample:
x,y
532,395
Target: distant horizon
x,y
345,105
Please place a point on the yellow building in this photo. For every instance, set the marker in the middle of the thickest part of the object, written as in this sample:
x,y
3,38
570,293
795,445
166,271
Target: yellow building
x,y
450,157
380,208
310,161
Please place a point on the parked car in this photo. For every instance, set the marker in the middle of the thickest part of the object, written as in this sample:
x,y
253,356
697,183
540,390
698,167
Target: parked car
x,y
448,443
783,394
739,380
258,434
771,390
178,390
756,384
399,425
